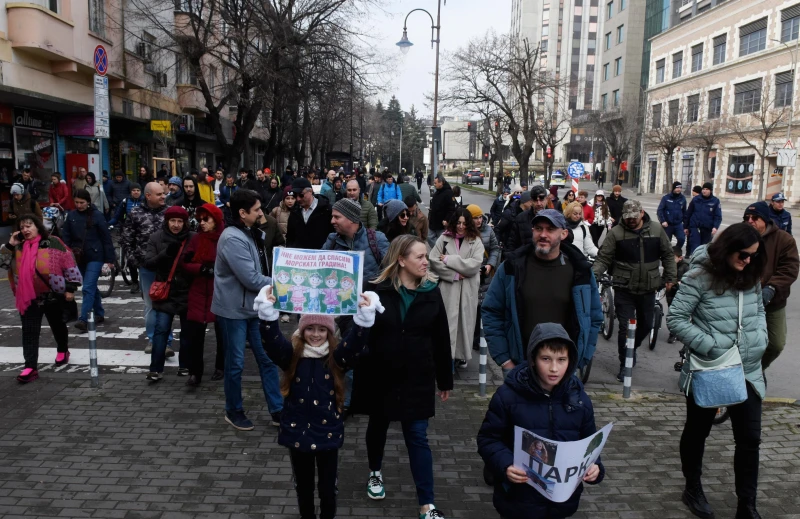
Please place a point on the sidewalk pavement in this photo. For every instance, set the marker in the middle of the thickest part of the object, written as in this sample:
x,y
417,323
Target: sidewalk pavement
x,y
135,450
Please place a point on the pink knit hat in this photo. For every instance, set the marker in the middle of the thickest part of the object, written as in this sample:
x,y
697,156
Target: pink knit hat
x,y
323,320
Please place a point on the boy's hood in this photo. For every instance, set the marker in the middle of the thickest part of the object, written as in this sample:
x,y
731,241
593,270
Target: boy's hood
x,y
523,379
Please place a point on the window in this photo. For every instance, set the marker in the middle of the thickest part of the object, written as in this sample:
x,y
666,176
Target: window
x,y
674,108
97,17
604,101
783,89
747,97
659,71
617,66
620,33
616,98
657,116
189,6
790,23
677,64
212,78
623,4
753,37
715,104
740,176
719,48
693,108
687,170
697,57
609,10
605,72
608,40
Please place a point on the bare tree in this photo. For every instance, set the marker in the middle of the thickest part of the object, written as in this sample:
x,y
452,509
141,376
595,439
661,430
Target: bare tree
x,y
506,75
757,124
668,133
706,136
620,130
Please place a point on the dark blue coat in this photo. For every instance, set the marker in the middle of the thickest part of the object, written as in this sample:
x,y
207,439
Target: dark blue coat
x,y
95,240
496,212
782,219
565,415
310,421
704,213
672,209
124,209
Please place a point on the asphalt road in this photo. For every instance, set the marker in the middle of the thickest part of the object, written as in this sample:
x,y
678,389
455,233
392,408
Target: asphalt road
x,y
654,369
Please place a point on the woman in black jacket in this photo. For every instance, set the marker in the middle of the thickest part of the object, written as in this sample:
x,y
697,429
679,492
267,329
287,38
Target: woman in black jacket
x,y
86,233
409,357
163,251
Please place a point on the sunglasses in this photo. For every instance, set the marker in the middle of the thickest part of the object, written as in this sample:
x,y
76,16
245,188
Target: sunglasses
x,y
404,214
744,255
749,217
205,218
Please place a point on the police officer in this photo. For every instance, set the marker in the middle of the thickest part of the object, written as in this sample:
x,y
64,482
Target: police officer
x,y
671,212
778,214
703,216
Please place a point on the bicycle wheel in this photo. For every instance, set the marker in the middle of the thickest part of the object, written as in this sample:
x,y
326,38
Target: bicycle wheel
x,y
105,283
608,312
122,267
658,315
721,416
583,372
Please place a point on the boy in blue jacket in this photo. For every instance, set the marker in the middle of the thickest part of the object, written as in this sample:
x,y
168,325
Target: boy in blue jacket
x,y
544,396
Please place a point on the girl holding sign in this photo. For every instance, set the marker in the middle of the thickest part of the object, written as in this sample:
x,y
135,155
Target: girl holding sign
x,y
313,364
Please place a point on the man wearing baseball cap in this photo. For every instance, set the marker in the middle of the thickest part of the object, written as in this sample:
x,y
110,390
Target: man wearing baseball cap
x,y
632,252
310,222
781,217
521,227
544,281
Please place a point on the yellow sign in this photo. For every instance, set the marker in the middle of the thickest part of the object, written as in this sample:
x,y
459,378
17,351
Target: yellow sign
x,y
161,126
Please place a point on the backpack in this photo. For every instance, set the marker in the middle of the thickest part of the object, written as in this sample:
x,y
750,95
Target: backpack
x,y
372,239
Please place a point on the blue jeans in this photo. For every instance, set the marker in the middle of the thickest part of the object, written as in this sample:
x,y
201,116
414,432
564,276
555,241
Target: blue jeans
x,y
419,452
677,231
91,297
162,332
146,278
234,334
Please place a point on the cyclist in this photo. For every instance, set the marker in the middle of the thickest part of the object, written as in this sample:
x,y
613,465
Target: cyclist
x,y
632,252
121,215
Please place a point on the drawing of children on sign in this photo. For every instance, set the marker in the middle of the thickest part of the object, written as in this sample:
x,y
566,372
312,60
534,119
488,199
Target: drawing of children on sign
x,y
331,293
298,290
346,295
315,280
282,286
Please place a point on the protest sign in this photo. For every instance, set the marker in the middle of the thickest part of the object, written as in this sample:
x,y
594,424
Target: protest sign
x,y
317,281
556,469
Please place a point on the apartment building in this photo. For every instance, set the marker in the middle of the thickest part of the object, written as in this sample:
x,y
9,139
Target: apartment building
x,y
727,70
47,95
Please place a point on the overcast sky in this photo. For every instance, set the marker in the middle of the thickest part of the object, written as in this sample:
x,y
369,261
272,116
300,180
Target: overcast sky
x,y
412,74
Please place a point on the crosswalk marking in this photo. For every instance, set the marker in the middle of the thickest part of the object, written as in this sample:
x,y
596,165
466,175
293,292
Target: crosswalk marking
x,y
80,357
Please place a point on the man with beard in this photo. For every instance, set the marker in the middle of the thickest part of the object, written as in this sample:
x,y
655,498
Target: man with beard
x,y
521,233
545,281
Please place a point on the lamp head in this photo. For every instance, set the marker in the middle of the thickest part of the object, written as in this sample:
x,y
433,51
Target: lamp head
x,y
404,44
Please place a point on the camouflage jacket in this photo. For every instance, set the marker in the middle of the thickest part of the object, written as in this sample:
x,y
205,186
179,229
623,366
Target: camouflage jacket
x,y
142,222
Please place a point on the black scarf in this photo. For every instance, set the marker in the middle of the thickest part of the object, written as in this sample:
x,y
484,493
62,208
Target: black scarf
x,y
256,233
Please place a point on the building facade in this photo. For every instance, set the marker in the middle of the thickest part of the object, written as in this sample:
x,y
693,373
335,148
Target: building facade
x,y
726,72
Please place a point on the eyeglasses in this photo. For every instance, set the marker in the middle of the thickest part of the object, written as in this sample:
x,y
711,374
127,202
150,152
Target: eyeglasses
x,y
744,255
749,217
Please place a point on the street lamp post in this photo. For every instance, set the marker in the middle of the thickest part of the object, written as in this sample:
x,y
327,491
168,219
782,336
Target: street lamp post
x,y
405,44
791,102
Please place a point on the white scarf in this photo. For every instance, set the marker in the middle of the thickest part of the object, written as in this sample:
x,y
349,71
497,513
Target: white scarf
x,y
315,352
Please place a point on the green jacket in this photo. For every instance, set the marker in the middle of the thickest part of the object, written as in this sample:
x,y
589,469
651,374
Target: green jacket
x,y
633,257
707,322
369,216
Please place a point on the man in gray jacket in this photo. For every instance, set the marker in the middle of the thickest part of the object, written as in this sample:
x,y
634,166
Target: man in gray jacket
x,y
240,272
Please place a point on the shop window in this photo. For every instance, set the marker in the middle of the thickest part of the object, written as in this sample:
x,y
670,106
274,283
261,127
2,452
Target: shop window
x,y
740,174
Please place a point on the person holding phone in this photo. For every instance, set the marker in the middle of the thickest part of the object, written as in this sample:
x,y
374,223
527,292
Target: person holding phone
x,y
43,271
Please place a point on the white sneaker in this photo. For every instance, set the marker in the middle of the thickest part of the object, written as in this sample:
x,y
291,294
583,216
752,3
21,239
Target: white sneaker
x,y
432,513
375,488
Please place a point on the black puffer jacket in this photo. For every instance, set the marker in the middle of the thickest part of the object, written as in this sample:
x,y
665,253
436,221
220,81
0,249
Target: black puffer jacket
x,y
160,255
442,207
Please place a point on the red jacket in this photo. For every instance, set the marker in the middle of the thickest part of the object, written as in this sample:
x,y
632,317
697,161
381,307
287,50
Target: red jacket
x,y
201,291
588,213
59,194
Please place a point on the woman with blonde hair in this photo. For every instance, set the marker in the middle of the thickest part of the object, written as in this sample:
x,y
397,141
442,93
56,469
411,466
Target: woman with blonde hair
x,y
409,357
581,231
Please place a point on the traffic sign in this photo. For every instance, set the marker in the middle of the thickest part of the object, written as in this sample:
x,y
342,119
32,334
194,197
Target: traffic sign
x,y
787,157
100,60
575,169
102,107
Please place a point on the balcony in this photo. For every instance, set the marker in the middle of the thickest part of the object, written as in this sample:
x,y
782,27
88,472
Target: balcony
x,y
34,28
191,99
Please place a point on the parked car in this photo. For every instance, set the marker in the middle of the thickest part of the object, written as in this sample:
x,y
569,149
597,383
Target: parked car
x,y
473,176
558,179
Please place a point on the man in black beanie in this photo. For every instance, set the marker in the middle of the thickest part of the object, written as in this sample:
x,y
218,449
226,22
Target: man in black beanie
x,y
671,212
704,217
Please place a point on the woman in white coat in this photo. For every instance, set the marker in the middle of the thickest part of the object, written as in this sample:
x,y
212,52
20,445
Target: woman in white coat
x,y
581,233
456,259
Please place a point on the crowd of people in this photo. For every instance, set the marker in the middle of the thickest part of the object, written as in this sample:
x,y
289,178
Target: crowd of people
x,y
200,248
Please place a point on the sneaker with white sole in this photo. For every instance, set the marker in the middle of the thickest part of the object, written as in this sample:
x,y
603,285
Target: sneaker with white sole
x,y
375,488
432,513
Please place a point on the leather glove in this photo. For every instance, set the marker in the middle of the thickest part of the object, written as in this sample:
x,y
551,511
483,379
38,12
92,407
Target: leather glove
x,y
172,249
767,293
266,311
365,315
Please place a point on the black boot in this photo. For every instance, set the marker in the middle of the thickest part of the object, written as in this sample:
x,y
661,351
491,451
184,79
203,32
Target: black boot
x,y
621,374
671,339
694,498
746,509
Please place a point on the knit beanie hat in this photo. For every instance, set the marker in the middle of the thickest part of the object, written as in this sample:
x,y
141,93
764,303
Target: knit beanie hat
x,y
350,209
676,184
17,189
760,209
475,211
176,180
134,185
323,320
392,208
176,211
288,191
708,185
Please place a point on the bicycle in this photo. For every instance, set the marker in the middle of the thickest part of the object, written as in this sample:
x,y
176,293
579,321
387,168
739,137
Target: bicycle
x,y
606,288
658,316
